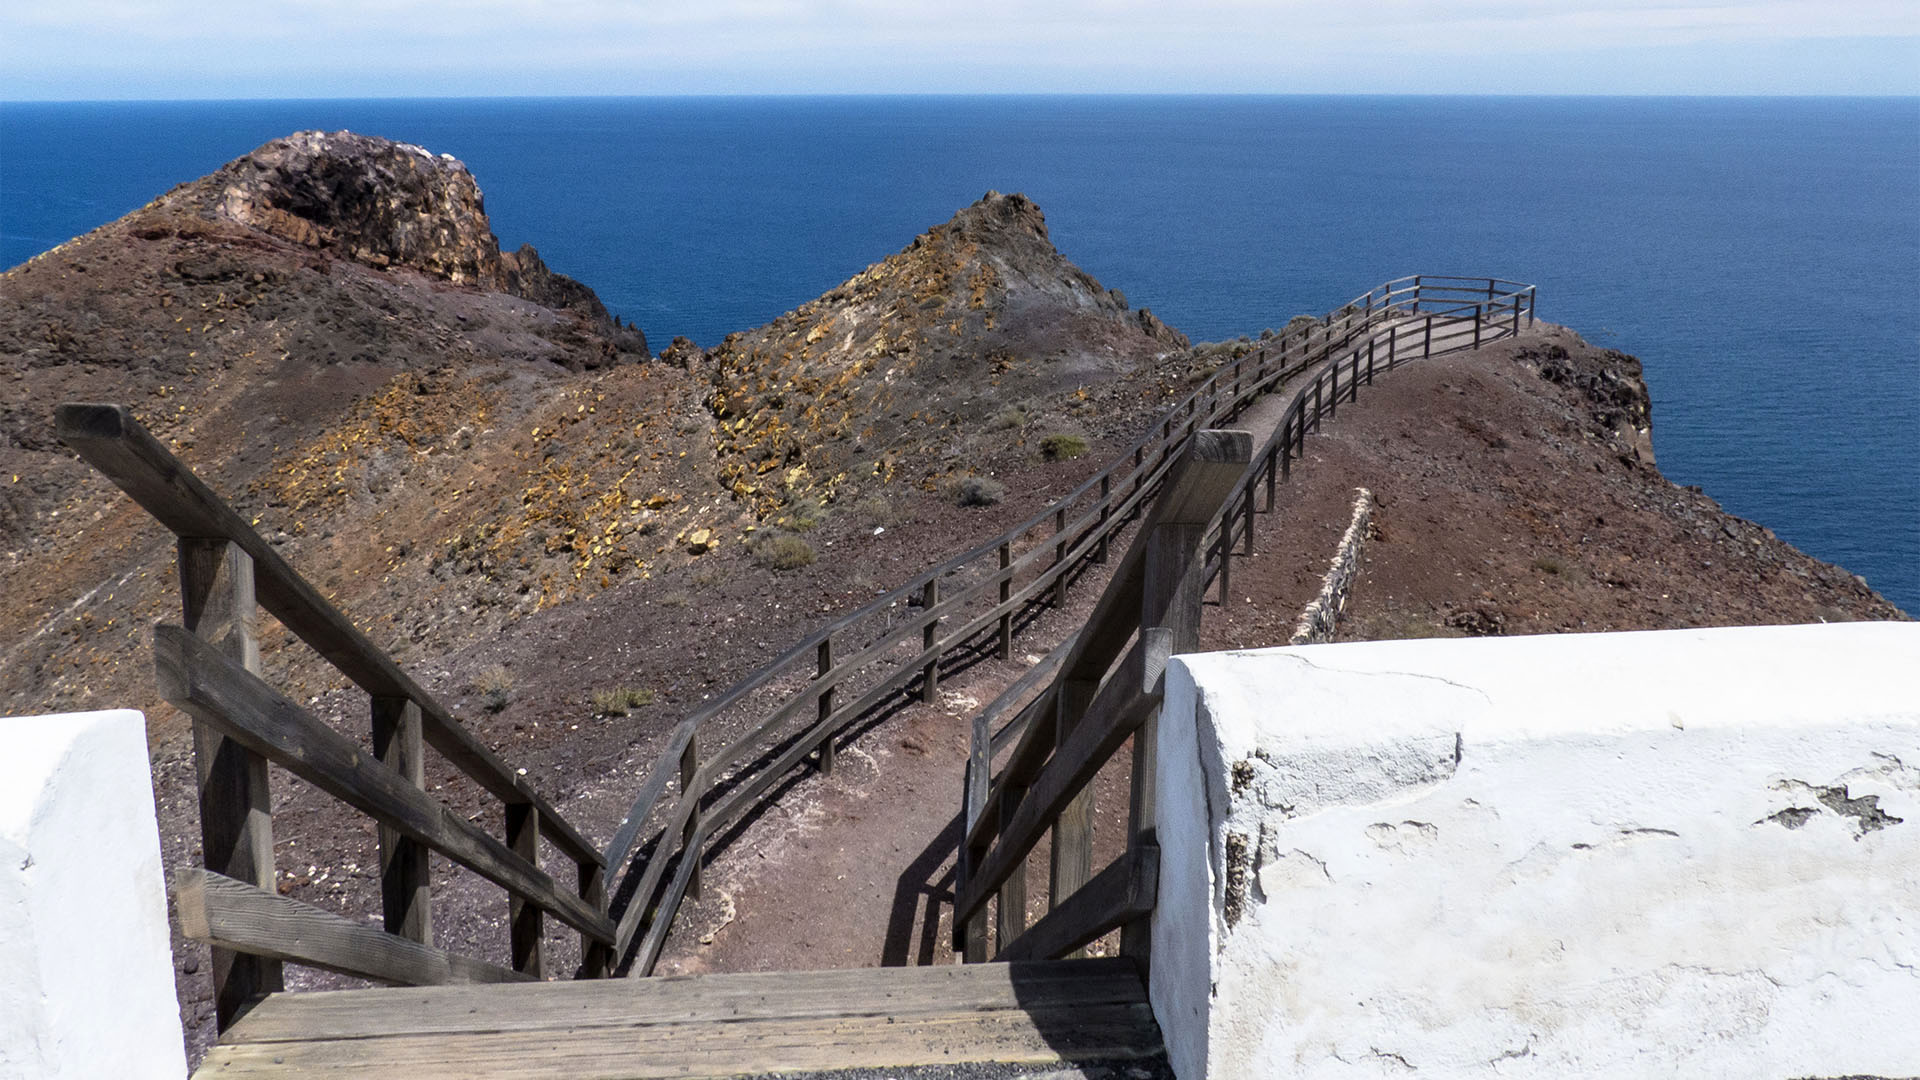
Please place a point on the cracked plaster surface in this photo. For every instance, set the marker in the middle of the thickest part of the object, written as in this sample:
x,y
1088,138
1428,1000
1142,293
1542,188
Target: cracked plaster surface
x,y
1445,874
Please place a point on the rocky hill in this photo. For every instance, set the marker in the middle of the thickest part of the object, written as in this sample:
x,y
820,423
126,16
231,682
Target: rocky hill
x,y
448,437
471,457
971,328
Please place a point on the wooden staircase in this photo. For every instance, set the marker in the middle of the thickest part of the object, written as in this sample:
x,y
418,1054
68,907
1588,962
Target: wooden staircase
x,y
1047,1014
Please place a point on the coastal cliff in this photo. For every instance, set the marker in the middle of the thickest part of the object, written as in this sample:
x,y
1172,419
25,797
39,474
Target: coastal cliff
x,y
464,452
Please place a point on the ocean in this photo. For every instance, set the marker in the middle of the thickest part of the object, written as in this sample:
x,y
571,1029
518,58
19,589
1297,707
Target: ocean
x,y
1760,255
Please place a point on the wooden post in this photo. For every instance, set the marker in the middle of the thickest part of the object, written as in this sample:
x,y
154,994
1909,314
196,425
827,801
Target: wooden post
x,y
1516,314
1010,916
1333,397
1170,597
523,917
1476,325
1072,862
236,809
1246,505
823,665
1318,410
930,675
1060,557
1393,340
1226,558
1415,309
596,960
1427,349
689,772
1370,344
1272,469
405,874
1106,511
1006,594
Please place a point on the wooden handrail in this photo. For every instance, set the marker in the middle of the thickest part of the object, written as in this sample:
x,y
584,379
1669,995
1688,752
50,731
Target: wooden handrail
x,y
208,668
197,679
1124,488
113,442
1005,818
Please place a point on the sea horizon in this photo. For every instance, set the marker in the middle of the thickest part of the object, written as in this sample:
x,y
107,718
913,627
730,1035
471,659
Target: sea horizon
x,y
1754,251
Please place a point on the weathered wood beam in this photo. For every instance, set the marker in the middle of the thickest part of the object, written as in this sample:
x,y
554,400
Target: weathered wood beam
x,y
1120,706
215,691
239,917
236,807
115,443
1123,892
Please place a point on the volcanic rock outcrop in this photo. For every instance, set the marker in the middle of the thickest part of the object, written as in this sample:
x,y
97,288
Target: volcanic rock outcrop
x,y
380,203
975,318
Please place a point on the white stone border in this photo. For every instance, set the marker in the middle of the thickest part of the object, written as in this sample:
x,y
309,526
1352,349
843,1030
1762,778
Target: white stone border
x,y
1316,623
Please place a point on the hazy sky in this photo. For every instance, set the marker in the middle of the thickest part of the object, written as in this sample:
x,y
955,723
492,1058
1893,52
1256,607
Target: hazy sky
x,y
85,49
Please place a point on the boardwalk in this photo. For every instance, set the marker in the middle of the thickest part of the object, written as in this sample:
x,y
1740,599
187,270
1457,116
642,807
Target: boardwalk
x,y
1044,1014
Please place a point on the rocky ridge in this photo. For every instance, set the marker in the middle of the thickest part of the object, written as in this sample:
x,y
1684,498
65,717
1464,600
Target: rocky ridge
x,y
976,322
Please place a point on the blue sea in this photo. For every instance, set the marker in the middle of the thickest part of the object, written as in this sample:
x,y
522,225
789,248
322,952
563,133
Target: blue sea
x,y
1760,255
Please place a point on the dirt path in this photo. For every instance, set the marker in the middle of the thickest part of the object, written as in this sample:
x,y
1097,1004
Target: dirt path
x,y
857,869
1504,507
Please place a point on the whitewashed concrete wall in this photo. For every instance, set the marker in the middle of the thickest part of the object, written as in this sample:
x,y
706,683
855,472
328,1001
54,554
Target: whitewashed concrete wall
x,y
86,974
1685,853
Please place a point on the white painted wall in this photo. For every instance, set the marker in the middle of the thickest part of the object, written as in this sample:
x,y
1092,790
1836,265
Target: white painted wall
x,y
1647,854
86,972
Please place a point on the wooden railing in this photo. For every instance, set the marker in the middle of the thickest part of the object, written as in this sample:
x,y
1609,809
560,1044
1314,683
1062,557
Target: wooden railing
x,y
791,711
762,730
209,667
1073,714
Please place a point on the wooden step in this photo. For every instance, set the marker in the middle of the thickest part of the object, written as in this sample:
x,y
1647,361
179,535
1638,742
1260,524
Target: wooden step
x,y
1045,1014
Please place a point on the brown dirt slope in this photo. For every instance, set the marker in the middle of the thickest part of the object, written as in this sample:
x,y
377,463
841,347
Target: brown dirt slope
x,y
975,325
1517,494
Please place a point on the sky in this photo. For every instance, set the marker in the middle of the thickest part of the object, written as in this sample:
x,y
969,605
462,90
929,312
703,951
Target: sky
x,y
167,49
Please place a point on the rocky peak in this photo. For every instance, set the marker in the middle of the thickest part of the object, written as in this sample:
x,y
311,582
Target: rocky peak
x,y
1000,215
380,203
978,315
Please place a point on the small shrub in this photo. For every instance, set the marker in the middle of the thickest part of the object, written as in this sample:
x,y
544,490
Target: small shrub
x,y
880,510
782,551
1008,419
676,598
805,514
1062,447
709,577
617,701
975,491
1547,564
495,687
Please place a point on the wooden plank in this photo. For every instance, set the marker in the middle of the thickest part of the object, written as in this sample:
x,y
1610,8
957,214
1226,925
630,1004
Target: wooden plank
x,y
1196,490
708,998
1119,708
627,836
1124,892
1049,1037
930,674
405,871
116,444
523,918
823,667
596,958
1071,862
236,805
239,917
219,693
1010,914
